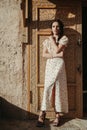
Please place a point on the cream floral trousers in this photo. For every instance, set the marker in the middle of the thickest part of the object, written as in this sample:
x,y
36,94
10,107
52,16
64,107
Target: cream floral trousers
x,y
55,74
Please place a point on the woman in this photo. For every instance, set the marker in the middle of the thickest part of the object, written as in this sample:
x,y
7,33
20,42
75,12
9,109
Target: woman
x,y
55,75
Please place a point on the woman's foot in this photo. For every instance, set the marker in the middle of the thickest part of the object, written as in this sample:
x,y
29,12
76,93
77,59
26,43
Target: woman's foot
x,y
57,120
41,119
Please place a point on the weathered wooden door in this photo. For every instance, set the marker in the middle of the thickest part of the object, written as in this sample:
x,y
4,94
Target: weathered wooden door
x,y
43,12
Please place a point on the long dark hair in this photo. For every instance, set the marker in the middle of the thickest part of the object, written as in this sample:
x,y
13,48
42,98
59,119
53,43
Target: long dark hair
x,y
61,27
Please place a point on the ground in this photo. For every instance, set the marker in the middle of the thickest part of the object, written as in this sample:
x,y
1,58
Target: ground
x,y
66,124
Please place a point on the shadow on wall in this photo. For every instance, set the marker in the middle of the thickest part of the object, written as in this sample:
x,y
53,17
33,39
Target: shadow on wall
x,y
10,111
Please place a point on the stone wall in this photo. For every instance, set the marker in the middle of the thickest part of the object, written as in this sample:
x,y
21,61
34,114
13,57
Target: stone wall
x,y
13,87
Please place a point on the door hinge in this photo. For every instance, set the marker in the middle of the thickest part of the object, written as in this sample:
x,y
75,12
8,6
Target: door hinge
x,y
31,97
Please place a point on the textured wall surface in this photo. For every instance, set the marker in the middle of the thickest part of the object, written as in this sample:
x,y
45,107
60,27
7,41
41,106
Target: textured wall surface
x,y
12,59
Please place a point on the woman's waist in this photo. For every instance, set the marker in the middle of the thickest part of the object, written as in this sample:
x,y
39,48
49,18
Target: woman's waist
x,y
56,59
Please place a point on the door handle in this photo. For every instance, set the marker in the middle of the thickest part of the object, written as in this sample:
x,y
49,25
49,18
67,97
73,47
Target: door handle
x,y
79,42
79,68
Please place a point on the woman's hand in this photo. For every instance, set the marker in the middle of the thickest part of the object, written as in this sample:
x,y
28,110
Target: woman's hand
x,y
54,39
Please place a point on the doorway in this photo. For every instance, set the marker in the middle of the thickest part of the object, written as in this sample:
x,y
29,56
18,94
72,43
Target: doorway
x,y
84,39
43,13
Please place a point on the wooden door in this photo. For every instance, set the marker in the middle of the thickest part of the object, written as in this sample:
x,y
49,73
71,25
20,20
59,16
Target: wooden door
x,y
43,12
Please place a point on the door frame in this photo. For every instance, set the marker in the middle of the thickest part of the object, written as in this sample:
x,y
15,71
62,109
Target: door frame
x,y
84,4
30,93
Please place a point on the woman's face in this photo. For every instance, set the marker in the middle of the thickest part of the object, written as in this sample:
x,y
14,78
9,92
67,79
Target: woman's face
x,y
55,28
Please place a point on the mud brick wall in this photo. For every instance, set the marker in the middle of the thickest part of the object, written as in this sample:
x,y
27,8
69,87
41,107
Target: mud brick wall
x,y
13,87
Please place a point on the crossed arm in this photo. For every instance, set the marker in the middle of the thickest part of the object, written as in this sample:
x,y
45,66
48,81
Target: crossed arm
x,y
58,51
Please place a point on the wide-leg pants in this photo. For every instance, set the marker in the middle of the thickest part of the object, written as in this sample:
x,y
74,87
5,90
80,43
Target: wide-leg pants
x,y
55,74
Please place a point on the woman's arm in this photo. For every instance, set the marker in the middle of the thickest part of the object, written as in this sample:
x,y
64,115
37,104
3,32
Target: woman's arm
x,y
46,54
57,48
60,54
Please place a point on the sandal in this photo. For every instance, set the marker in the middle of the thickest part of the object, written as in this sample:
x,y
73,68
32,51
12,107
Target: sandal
x,y
42,118
56,122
